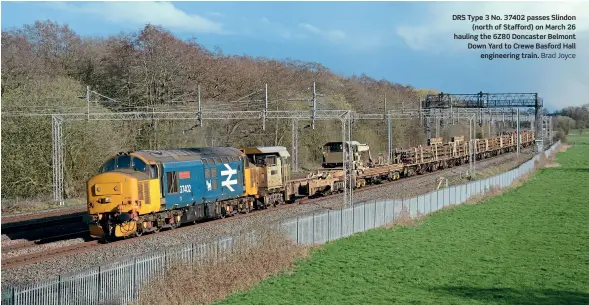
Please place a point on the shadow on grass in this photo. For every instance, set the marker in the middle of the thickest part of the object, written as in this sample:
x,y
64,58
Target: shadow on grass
x,y
517,296
574,170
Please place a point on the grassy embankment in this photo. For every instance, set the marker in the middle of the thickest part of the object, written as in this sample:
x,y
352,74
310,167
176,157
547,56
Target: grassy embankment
x,y
528,246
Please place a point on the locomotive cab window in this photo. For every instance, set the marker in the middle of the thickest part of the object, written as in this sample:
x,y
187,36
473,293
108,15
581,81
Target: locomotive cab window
x,y
109,166
139,165
123,162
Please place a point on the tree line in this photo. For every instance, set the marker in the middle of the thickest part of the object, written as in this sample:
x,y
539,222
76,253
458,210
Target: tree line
x,y
46,67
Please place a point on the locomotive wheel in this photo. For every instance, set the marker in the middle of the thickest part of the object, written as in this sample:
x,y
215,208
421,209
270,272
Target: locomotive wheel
x,y
138,233
223,213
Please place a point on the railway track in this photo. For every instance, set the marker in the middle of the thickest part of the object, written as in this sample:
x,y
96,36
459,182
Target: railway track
x,y
41,241
33,224
41,215
42,256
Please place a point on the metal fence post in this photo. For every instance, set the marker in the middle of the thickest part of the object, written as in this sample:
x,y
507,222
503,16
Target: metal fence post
x,y
394,210
59,289
328,227
374,223
313,231
341,222
298,242
364,212
353,219
135,284
98,284
384,217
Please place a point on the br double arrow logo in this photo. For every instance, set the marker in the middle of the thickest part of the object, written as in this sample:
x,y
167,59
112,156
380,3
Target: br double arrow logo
x,y
229,173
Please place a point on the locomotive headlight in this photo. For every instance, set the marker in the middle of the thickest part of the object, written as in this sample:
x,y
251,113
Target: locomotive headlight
x,y
98,189
116,188
107,199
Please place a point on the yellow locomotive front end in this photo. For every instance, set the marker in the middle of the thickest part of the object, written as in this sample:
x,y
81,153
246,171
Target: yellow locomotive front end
x,y
118,195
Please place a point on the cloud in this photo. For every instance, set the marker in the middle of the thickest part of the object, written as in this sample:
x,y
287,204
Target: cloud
x,y
158,13
331,35
561,83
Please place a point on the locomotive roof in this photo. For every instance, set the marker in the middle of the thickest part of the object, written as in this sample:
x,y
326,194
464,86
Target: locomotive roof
x,y
347,142
188,154
280,150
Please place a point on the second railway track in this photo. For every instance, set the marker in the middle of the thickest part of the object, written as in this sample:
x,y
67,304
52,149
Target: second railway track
x,y
28,225
42,241
45,255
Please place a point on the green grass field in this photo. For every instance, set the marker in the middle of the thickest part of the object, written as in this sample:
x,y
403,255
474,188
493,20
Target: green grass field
x,y
528,246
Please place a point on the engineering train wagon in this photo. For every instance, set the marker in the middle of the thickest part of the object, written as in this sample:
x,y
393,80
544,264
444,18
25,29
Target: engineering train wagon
x,y
333,154
267,173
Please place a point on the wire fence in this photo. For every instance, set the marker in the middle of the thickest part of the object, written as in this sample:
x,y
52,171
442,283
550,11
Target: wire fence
x,y
120,282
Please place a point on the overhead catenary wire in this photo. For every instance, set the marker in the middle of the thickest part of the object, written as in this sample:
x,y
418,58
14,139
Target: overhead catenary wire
x,y
181,110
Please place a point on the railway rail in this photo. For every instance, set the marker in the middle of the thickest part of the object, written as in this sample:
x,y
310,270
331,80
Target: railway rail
x,y
41,241
12,218
38,223
46,255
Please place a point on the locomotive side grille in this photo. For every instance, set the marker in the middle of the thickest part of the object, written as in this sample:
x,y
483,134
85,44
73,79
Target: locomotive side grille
x,y
140,191
146,193
143,191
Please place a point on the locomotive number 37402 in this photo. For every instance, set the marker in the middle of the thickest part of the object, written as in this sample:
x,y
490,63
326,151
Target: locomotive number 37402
x,y
185,188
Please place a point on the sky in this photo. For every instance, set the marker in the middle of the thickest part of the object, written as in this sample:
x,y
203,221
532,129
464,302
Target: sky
x,y
410,43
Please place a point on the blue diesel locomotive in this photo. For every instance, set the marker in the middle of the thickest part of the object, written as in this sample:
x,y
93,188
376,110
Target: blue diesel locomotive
x,y
147,190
